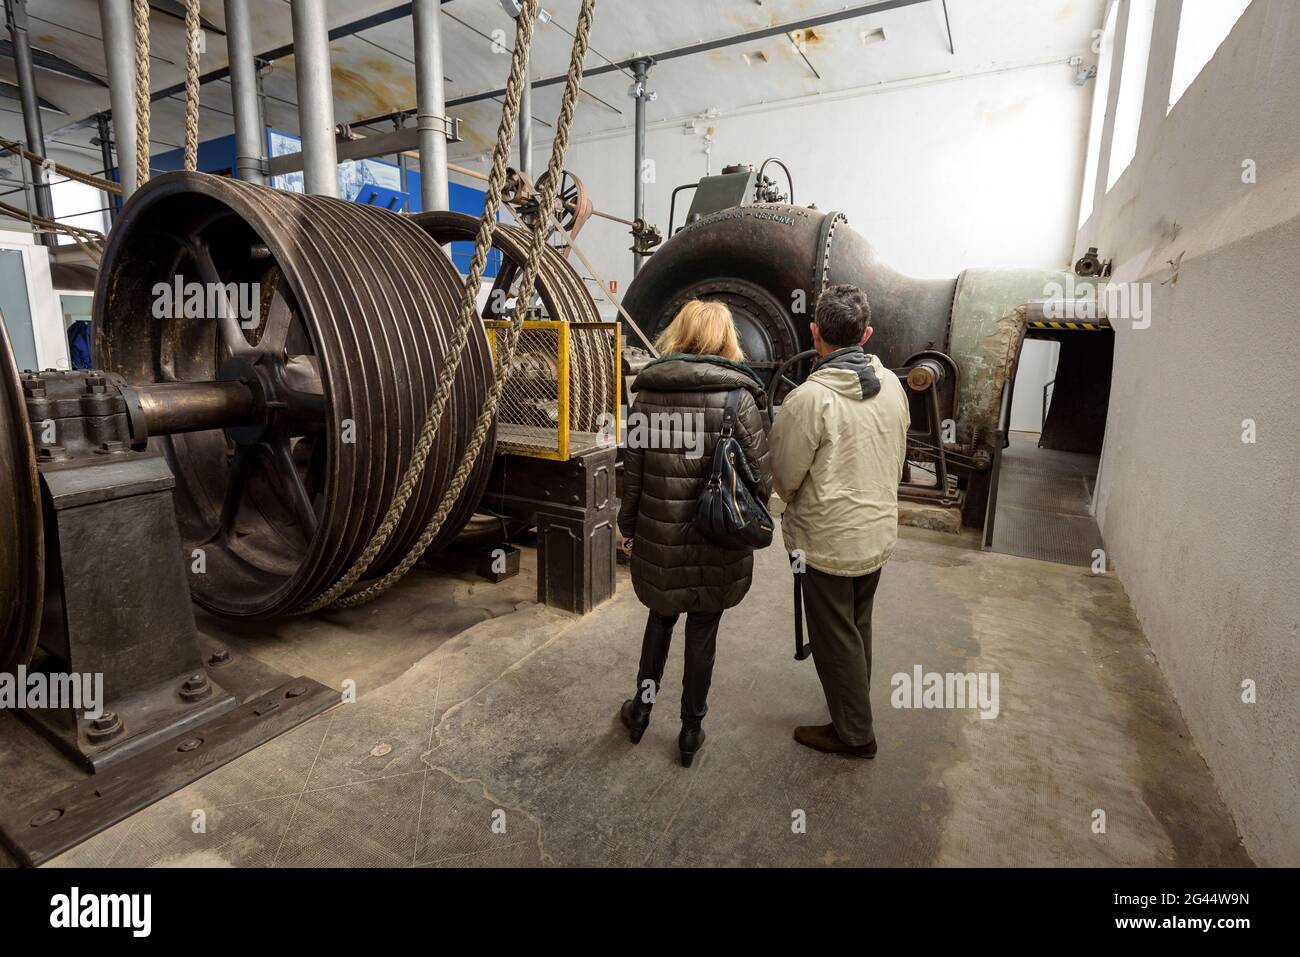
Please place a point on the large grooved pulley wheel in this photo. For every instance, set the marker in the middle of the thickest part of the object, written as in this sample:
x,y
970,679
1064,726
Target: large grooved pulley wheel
x,y
563,296
355,322
22,552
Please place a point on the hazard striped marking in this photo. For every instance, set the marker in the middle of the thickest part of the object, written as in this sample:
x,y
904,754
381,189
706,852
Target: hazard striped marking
x,y
1078,326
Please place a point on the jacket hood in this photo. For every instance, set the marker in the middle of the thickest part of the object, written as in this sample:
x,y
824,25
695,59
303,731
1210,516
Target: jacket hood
x,y
684,372
851,372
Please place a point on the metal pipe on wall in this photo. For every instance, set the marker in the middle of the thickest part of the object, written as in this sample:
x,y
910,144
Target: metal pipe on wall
x,y
641,93
119,54
250,129
431,107
311,64
16,16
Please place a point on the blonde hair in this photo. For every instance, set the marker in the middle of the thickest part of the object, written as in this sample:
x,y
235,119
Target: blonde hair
x,y
704,329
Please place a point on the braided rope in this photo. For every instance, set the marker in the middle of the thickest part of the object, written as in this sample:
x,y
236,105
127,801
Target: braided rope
x,y
540,234
140,15
193,37
88,240
483,243
107,185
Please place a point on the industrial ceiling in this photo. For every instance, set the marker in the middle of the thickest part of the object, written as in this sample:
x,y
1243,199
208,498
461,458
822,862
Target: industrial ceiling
x,y
372,52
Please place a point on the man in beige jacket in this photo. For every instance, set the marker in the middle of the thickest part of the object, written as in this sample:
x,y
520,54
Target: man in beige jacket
x,y
837,454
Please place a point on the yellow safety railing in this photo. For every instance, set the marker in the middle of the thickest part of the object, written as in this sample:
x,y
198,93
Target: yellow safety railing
x,y
563,395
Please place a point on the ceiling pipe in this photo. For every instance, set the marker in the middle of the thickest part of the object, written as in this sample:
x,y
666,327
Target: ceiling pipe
x,y
431,109
399,12
250,128
311,64
709,45
16,15
404,10
118,30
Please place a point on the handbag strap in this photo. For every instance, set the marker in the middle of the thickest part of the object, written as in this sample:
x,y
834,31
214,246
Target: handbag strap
x,y
729,413
728,429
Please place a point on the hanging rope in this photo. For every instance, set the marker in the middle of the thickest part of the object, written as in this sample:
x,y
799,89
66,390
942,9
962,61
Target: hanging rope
x,y
478,262
193,38
140,15
336,596
540,234
107,185
88,240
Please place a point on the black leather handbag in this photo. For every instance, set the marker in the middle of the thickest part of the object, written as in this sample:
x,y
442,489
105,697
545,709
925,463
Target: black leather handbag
x,y
730,514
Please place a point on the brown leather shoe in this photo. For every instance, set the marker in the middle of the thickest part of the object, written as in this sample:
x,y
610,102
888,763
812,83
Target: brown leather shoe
x,y
822,737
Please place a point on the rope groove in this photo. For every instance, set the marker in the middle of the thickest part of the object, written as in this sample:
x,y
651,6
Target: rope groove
x,y
336,596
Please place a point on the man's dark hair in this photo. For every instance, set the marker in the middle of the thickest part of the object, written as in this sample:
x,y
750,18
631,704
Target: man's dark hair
x,y
842,315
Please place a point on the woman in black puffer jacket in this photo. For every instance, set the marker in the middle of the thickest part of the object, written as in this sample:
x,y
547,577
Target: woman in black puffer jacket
x,y
673,427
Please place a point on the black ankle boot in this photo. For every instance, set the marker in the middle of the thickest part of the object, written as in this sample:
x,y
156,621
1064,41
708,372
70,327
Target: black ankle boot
x,y
690,740
635,715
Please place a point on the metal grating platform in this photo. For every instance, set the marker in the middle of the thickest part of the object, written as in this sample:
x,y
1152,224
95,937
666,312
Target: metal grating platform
x,y
530,440
1043,501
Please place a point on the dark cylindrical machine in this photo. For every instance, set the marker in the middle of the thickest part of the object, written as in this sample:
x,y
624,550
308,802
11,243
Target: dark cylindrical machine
x,y
956,341
769,263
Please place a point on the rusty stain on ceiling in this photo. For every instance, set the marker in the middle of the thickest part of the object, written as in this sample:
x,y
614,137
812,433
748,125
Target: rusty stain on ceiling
x,y
373,75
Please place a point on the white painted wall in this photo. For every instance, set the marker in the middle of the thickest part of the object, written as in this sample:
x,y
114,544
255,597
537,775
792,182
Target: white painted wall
x,y
983,170
1038,359
1203,528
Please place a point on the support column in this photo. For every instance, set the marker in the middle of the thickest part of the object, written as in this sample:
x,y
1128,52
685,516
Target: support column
x,y
16,15
431,104
250,128
311,59
515,9
119,54
104,134
641,93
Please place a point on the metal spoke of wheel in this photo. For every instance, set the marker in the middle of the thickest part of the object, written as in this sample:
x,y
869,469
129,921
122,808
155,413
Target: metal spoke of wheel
x,y
286,473
232,336
234,497
279,320
302,376
497,305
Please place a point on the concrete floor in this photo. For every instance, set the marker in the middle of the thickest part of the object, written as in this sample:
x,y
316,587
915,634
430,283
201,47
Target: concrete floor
x,y
512,722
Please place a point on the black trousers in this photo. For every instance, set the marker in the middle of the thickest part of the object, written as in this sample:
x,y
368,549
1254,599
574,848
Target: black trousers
x,y
839,630
701,645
